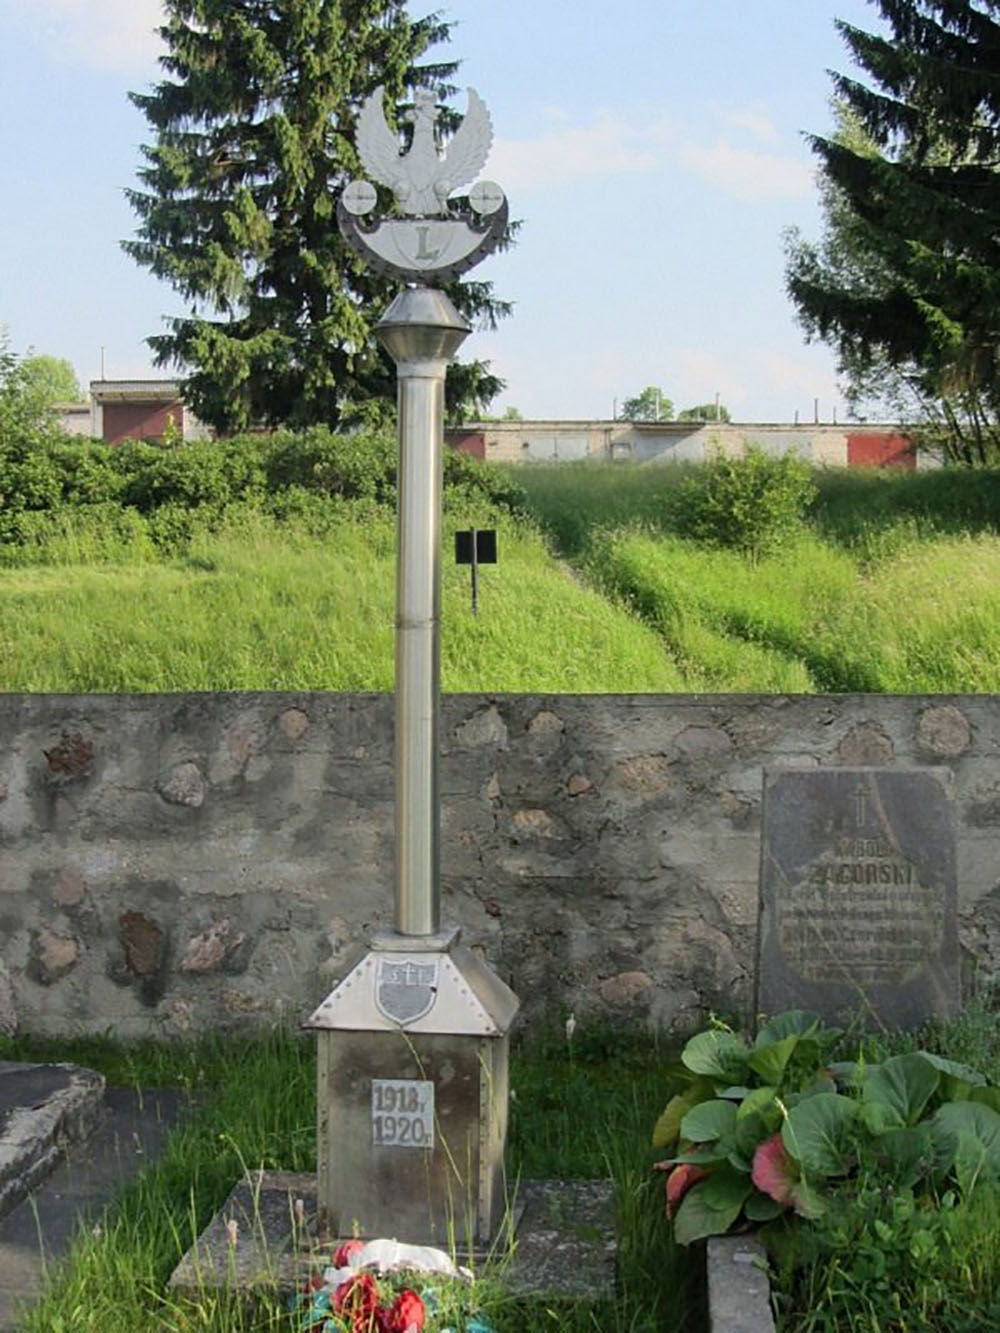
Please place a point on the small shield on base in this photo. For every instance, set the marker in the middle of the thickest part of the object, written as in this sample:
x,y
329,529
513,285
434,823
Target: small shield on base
x,y
405,988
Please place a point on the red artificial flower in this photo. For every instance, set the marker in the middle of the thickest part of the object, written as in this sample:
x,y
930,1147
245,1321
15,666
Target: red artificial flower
x,y
679,1181
357,1298
408,1312
342,1256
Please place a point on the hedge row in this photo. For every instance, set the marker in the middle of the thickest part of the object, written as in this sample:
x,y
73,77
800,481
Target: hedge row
x,y
279,472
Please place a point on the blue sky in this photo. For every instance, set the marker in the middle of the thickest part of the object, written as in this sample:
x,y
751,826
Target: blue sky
x,y
653,149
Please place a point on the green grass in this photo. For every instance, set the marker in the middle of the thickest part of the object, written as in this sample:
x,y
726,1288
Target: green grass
x,y
263,605
576,1112
892,586
877,1262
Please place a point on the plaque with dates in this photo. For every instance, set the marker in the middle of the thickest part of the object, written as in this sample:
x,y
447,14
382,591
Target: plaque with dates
x,y
402,1113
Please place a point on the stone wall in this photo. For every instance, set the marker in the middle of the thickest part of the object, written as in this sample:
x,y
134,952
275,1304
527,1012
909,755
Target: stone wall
x,y
171,863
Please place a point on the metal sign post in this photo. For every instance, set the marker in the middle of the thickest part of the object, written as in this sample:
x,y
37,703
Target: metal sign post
x,y
413,1042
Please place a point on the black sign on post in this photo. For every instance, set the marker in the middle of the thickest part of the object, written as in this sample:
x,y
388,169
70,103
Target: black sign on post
x,y
475,547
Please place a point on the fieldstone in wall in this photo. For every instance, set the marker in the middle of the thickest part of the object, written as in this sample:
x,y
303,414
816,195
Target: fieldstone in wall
x,y
484,728
983,811
703,744
52,956
8,1008
183,785
578,783
219,948
69,887
144,942
944,732
492,791
534,823
867,744
294,723
546,723
624,989
646,775
71,759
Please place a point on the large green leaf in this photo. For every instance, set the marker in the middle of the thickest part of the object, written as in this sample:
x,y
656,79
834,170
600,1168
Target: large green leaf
x,y
709,1121
696,1218
985,1096
758,1102
667,1128
964,1073
879,1117
906,1155
771,1061
717,1055
759,1208
792,1023
906,1083
725,1187
966,1137
816,1133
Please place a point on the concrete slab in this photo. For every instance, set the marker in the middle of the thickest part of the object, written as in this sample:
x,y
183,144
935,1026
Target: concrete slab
x,y
739,1293
131,1130
44,1109
564,1246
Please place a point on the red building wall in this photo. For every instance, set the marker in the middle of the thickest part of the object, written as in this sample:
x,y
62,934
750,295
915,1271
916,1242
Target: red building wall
x,y
467,442
140,421
880,449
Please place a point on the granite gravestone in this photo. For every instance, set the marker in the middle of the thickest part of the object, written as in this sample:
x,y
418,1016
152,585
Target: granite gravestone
x,y
858,908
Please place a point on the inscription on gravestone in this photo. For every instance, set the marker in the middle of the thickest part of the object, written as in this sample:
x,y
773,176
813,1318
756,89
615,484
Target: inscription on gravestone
x,y
858,907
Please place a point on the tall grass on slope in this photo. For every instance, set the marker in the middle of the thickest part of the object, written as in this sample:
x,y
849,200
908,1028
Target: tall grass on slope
x,y
263,604
572,500
925,620
852,504
700,602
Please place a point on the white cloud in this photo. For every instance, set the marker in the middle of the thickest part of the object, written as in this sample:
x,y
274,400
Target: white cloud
x,y
614,144
566,152
106,35
746,173
754,118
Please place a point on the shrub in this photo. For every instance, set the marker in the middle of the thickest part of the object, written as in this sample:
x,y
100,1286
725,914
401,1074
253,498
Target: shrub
x,y
752,504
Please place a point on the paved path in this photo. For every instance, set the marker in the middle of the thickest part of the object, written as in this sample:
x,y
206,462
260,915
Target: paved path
x,y
38,1230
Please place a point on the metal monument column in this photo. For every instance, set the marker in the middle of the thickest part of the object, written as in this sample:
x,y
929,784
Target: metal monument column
x,y
413,1042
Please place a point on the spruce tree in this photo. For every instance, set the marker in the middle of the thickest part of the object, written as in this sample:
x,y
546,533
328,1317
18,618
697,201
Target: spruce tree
x,y
906,283
254,139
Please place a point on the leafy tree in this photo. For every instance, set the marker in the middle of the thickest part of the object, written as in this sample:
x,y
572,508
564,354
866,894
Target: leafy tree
x,y
652,404
51,380
254,139
905,283
26,396
705,412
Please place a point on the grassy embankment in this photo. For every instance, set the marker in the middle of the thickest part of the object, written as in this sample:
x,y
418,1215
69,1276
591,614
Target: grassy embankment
x,y
266,605
893,584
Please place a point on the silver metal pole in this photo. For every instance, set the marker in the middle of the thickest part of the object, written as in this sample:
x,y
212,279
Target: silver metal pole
x,y
421,331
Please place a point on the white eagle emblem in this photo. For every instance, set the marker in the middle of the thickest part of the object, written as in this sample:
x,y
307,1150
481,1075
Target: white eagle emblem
x,y
422,179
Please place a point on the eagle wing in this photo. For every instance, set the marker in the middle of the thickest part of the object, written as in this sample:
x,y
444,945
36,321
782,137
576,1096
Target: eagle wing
x,y
377,146
469,146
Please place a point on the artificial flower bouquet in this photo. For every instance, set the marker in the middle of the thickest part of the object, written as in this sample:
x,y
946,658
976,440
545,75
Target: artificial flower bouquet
x,y
373,1288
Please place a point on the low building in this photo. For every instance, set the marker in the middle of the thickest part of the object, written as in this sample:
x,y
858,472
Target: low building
x,y
140,410
851,445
